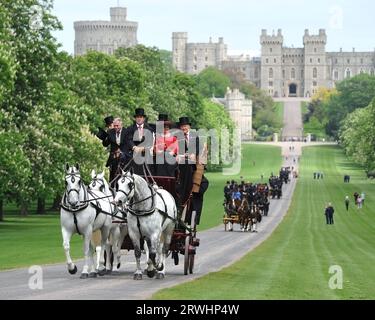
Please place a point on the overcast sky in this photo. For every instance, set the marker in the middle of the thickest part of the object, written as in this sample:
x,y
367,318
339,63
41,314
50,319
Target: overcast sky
x,y
348,23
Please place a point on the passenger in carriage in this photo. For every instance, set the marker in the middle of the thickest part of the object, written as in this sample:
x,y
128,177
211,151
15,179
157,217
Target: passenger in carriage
x,y
119,153
227,192
166,149
140,141
191,160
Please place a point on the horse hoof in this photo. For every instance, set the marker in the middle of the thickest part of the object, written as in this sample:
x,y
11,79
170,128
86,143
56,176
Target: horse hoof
x,y
151,273
118,265
160,275
102,272
74,271
137,276
92,275
108,271
84,276
160,268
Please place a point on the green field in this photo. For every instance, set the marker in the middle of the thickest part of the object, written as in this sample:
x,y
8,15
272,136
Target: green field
x,y
36,239
294,262
279,111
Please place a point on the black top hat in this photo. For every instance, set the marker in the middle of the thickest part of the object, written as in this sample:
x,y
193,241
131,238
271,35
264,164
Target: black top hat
x,y
108,120
101,134
183,120
140,112
163,117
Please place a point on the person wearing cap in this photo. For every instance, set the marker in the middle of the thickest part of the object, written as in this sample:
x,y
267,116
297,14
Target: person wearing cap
x,y
191,166
166,149
140,140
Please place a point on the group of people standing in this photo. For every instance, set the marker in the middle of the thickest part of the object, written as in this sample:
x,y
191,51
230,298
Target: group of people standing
x,y
318,175
161,149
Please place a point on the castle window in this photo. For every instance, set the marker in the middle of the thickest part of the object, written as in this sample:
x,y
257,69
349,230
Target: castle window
x,y
310,60
292,60
206,58
348,73
335,61
318,60
348,61
293,73
195,67
256,73
315,83
195,58
302,74
274,60
266,60
361,61
315,73
270,73
335,75
315,50
270,49
361,71
283,74
270,84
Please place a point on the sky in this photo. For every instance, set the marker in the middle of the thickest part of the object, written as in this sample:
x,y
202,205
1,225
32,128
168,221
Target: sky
x,y
349,24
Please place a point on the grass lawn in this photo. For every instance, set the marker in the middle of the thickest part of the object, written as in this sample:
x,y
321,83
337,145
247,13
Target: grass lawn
x,y
294,262
36,239
279,111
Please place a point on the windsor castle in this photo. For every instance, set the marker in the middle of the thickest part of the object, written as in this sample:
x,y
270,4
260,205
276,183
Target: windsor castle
x,y
280,71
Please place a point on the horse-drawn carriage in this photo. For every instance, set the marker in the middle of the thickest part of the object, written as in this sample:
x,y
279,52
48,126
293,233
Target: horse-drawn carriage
x,y
148,210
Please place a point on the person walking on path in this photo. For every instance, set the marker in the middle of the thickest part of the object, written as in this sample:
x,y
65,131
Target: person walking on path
x,y
347,203
329,213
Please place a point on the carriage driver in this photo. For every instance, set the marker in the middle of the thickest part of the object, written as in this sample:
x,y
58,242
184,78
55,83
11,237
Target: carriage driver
x,y
191,168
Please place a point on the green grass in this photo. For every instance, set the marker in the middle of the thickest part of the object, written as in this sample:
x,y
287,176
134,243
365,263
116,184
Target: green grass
x,y
37,239
279,111
33,240
267,159
304,109
294,262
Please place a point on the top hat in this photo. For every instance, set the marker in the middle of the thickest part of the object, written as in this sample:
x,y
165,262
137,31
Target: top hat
x,y
139,112
101,134
108,120
183,120
164,118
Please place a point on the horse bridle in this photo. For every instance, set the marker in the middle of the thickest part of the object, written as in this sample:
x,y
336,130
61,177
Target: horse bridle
x,y
73,176
131,186
95,180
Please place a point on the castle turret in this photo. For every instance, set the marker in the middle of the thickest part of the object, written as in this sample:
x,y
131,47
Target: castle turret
x,y
179,41
272,50
118,14
315,61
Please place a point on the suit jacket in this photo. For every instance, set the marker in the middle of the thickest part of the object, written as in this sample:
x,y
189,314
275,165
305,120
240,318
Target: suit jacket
x,y
133,140
111,141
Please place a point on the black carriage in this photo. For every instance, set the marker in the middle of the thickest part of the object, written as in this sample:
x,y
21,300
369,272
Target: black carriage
x,y
184,239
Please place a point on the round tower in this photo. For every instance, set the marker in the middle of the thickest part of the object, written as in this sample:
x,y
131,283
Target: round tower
x,y
179,41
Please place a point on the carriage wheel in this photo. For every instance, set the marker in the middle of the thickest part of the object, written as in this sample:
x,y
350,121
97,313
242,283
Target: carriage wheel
x,y
186,258
225,226
191,263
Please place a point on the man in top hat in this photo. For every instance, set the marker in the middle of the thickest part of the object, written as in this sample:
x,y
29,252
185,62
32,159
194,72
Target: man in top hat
x,y
166,148
140,137
119,153
102,133
191,178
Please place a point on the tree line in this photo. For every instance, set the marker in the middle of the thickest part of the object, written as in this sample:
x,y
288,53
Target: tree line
x,y
52,103
347,113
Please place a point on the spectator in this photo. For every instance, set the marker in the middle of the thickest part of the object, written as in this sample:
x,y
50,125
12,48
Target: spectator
x,y
347,203
363,197
356,195
359,202
329,213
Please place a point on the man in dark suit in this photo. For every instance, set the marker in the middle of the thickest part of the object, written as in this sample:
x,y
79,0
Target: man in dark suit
x,y
191,167
140,140
119,150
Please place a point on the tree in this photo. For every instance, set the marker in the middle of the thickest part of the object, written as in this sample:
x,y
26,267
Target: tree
x,y
212,82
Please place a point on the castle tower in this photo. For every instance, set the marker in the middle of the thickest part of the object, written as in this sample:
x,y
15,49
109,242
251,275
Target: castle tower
x,y
315,62
272,51
179,41
105,36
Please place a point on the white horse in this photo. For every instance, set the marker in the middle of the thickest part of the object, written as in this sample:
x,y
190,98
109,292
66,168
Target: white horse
x,y
118,229
151,215
79,216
